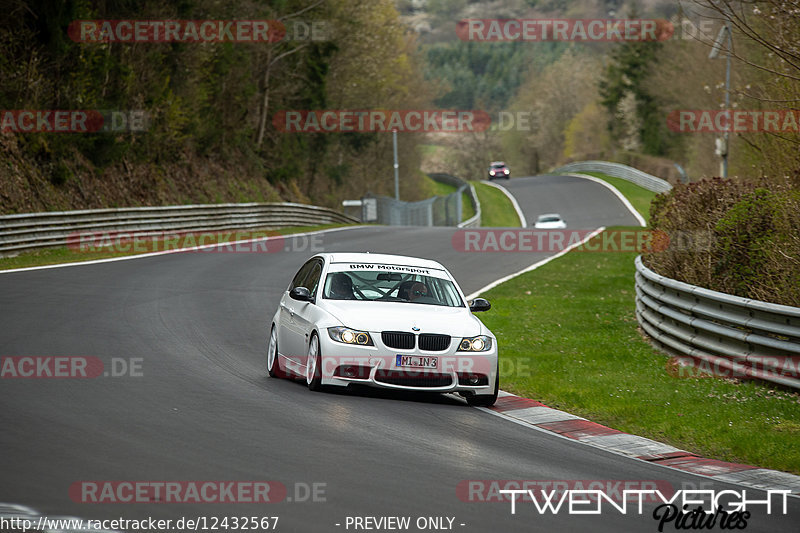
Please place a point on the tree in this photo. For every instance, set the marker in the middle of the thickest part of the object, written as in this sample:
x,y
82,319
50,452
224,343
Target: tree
x,y
766,34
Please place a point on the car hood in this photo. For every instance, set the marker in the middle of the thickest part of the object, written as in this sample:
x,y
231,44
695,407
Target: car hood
x,y
401,316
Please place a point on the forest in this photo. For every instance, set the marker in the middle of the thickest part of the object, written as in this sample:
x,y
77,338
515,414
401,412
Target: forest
x,y
192,121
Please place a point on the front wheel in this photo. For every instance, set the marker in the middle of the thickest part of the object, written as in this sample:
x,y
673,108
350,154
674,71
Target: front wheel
x,y
314,364
273,366
486,400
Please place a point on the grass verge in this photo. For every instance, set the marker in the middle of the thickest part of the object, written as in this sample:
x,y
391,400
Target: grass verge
x,y
570,339
53,256
497,211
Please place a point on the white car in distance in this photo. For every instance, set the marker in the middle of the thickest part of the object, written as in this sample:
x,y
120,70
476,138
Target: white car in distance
x,y
385,321
550,221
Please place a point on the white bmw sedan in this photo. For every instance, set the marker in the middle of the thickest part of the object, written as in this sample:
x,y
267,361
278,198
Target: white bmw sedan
x,y
383,321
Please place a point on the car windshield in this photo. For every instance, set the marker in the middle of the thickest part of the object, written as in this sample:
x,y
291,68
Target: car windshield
x,y
498,165
550,219
371,285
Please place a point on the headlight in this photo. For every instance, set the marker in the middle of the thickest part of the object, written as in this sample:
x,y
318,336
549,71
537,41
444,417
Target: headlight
x,y
350,336
481,343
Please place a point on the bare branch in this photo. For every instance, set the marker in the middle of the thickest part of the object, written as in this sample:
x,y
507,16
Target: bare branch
x,y
287,53
727,13
298,13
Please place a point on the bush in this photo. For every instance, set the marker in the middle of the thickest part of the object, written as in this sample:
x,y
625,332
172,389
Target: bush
x,y
60,174
734,237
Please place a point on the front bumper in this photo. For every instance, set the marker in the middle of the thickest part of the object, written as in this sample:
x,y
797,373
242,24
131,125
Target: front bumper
x,y
377,366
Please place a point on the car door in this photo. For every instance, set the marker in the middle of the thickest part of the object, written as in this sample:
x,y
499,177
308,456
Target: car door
x,y
287,311
295,314
305,312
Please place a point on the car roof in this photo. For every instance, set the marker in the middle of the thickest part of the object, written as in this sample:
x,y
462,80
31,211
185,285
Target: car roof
x,y
549,215
493,163
384,259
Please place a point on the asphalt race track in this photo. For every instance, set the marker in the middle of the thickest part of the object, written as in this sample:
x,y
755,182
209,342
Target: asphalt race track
x,y
580,203
204,409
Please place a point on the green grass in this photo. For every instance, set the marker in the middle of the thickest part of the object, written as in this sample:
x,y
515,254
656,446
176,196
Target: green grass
x,y
639,197
569,338
52,256
467,211
428,149
497,210
441,189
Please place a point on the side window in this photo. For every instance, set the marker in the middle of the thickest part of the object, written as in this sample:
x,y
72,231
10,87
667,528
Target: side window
x,y
301,275
312,281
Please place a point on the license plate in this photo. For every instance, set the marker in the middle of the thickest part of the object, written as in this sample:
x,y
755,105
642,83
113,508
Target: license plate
x,y
417,361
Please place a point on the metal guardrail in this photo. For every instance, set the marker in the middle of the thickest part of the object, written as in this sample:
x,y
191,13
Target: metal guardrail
x,y
435,211
725,334
391,212
42,230
642,179
475,220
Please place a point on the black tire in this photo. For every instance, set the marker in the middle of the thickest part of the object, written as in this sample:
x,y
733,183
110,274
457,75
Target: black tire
x,y
314,374
273,365
486,400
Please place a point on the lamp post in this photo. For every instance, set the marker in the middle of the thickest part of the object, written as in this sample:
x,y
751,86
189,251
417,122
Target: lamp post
x,y
723,143
396,167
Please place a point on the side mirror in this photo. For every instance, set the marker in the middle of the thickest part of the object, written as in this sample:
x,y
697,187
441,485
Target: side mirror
x,y
479,304
301,294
